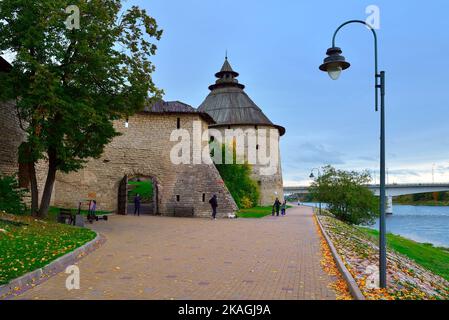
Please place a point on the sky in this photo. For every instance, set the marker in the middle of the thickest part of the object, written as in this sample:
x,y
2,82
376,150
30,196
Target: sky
x,y
277,46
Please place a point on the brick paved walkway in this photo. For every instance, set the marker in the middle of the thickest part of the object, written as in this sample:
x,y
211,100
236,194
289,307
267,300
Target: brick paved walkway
x,y
150,257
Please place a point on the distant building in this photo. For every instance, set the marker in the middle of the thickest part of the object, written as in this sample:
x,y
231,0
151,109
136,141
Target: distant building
x,y
232,108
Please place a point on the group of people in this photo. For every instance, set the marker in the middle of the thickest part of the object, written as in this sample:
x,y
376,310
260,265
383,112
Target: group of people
x,y
279,205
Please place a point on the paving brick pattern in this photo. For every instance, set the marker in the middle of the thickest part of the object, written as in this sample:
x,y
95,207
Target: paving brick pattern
x,y
151,257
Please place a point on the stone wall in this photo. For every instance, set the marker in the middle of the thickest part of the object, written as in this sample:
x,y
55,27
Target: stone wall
x,y
11,136
143,149
271,185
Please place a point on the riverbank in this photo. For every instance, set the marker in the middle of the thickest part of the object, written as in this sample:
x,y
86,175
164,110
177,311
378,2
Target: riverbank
x,y
407,279
429,203
435,259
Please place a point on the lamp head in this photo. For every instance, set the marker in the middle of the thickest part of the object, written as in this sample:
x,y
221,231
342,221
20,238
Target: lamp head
x,y
311,176
334,63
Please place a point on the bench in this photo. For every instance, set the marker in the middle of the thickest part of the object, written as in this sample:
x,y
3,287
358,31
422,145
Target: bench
x,y
183,211
66,216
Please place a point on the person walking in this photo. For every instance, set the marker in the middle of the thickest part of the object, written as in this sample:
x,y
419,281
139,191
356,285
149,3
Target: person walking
x,y
214,204
137,201
276,206
284,208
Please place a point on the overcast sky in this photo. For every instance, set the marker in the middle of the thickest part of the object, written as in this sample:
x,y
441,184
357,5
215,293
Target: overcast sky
x,y
277,46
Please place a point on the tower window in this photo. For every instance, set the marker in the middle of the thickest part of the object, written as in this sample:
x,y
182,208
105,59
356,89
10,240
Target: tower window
x,y
178,123
177,197
204,197
257,147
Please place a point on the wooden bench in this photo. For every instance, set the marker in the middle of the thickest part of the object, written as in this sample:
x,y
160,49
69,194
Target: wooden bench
x,y
66,216
183,211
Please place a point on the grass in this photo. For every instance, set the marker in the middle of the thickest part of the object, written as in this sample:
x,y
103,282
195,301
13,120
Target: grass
x,y
144,188
27,244
425,254
256,212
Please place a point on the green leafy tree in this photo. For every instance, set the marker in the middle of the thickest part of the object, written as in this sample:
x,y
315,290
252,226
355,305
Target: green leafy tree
x,y
11,195
70,84
347,197
237,178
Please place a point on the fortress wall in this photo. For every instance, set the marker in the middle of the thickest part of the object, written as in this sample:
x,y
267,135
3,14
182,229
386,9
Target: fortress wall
x,y
143,149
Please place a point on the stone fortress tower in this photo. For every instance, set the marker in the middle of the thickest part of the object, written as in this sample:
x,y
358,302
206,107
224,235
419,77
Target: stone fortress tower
x,y
232,108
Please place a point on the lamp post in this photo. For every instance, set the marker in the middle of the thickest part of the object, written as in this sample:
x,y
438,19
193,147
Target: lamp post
x,y
333,65
311,177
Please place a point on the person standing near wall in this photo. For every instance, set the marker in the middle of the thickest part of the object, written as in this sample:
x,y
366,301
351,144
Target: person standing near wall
x,y
214,204
137,201
276,206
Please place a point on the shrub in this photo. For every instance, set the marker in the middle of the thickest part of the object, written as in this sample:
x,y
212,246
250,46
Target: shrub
x,y
246,202
346,196
237,178
11,195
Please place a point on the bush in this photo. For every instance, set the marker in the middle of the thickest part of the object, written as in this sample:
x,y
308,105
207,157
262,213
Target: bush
x,y
237,178
346,196
246,203
11,195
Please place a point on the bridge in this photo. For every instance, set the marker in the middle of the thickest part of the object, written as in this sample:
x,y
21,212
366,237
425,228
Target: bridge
x,y
391,190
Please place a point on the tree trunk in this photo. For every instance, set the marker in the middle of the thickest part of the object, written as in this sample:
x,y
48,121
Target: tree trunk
x,y
34,190
48,189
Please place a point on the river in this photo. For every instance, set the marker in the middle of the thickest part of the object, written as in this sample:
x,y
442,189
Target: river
x,y
425,224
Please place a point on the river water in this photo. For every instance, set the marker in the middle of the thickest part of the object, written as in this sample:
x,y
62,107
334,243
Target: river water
x,y
420,223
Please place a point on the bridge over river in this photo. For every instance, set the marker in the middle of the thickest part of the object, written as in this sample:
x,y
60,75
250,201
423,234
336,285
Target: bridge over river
x,y
392,190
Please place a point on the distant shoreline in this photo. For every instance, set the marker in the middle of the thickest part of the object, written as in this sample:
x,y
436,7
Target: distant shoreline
x,y
423,203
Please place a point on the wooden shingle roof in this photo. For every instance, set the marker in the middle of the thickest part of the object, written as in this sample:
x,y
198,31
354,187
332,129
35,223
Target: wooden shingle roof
x,y
228,103
176,107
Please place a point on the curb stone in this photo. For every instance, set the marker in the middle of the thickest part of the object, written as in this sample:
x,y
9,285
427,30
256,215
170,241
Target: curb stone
x,y
31,279
352,284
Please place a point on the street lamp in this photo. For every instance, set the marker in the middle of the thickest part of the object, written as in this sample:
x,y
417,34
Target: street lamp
x,y
333,65
312,177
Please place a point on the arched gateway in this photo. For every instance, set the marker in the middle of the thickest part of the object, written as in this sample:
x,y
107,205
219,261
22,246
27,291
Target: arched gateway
x,y
143,149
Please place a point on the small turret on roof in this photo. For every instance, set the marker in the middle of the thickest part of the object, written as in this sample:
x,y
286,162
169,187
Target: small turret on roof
x,y
228,104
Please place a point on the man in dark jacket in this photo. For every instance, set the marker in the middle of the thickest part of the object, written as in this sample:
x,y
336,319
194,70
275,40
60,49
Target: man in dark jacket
x,y
276,206
137,200
214,204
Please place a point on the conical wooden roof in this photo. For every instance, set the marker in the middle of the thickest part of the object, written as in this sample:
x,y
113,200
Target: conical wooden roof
x,y
228,103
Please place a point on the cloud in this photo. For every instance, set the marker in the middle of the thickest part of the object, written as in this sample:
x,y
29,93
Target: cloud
x,y
318,154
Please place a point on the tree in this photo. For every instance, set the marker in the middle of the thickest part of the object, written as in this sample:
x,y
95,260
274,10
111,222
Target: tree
x,y
346,196
70,84
11,196
237,178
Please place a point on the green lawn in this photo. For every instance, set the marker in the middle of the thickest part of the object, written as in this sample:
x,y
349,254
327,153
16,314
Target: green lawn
x,y
430,257
256,212
144,188
27,244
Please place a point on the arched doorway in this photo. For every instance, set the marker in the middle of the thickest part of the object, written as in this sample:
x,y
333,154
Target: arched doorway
x,y
145,187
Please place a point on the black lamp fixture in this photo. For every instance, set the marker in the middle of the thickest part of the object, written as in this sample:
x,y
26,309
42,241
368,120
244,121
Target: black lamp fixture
x,y
335,63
